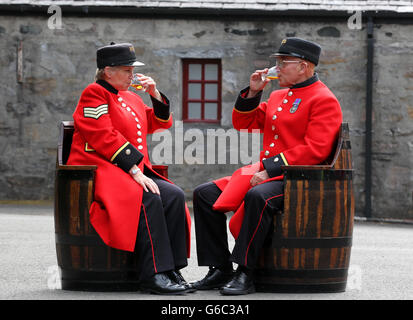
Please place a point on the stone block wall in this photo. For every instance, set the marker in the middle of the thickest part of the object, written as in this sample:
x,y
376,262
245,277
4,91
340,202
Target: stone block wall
x,y
58,64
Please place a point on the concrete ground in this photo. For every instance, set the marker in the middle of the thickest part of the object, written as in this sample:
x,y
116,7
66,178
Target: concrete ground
x,y
381,264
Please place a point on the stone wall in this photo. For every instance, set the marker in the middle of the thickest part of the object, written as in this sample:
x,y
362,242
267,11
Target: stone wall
x,y
58,64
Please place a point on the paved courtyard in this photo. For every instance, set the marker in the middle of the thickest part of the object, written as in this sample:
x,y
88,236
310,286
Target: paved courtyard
x,y
381,264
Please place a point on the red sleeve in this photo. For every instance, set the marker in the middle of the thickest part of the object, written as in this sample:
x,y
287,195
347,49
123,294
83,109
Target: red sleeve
x,y
249,113
159,116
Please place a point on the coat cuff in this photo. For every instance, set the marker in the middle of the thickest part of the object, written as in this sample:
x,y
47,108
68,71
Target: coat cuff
x,y
244,104
161,109
273,165
126,157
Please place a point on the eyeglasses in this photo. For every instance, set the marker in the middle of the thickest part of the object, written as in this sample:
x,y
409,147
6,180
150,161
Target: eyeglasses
x,y
281,63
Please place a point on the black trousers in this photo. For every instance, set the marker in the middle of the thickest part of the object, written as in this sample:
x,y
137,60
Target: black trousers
x,y
260,202
161,237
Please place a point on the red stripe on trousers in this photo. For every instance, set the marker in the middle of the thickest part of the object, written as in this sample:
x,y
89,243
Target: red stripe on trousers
x,y
259,222
150,238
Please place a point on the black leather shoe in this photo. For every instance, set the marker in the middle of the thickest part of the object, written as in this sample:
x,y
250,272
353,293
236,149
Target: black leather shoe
x,y
177,277
160,283
241,283
214,279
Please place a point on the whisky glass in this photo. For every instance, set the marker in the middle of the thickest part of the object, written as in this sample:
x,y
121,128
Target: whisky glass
x,y
136,83
271,74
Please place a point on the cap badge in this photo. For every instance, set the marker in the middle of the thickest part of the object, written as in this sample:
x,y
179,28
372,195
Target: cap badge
x,y
295,105
284,41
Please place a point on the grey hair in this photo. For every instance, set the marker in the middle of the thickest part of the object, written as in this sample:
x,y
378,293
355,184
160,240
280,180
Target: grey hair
x,y
100,74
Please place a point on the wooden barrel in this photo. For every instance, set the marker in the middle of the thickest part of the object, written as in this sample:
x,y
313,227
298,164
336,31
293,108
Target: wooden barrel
x,y
309,250
85,262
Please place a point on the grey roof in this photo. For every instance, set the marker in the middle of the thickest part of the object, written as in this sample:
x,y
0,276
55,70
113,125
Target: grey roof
x,y
397,6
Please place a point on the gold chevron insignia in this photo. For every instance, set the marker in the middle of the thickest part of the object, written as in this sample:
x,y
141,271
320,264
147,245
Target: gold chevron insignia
x,y
88,149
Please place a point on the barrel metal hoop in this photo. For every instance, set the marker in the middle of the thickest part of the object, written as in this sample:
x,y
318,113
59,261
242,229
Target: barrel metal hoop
x,y
303,273
320,175
79,240
98,275
333,242
331,287
75,174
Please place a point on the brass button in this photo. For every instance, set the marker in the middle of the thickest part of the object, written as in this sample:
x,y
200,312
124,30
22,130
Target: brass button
x,y
127,152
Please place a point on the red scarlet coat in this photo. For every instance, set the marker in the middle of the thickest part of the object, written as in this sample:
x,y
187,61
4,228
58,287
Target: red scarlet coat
x,y
300,126
110,132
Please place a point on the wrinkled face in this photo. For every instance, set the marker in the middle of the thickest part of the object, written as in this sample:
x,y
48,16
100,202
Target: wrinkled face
x,y
290,70
119,77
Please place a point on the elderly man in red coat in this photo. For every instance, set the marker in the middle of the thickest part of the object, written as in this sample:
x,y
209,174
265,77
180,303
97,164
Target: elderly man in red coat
x,y
300,125
134,208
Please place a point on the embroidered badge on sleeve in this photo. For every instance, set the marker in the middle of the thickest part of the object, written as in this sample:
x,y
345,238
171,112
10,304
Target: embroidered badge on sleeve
x,y
95,113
